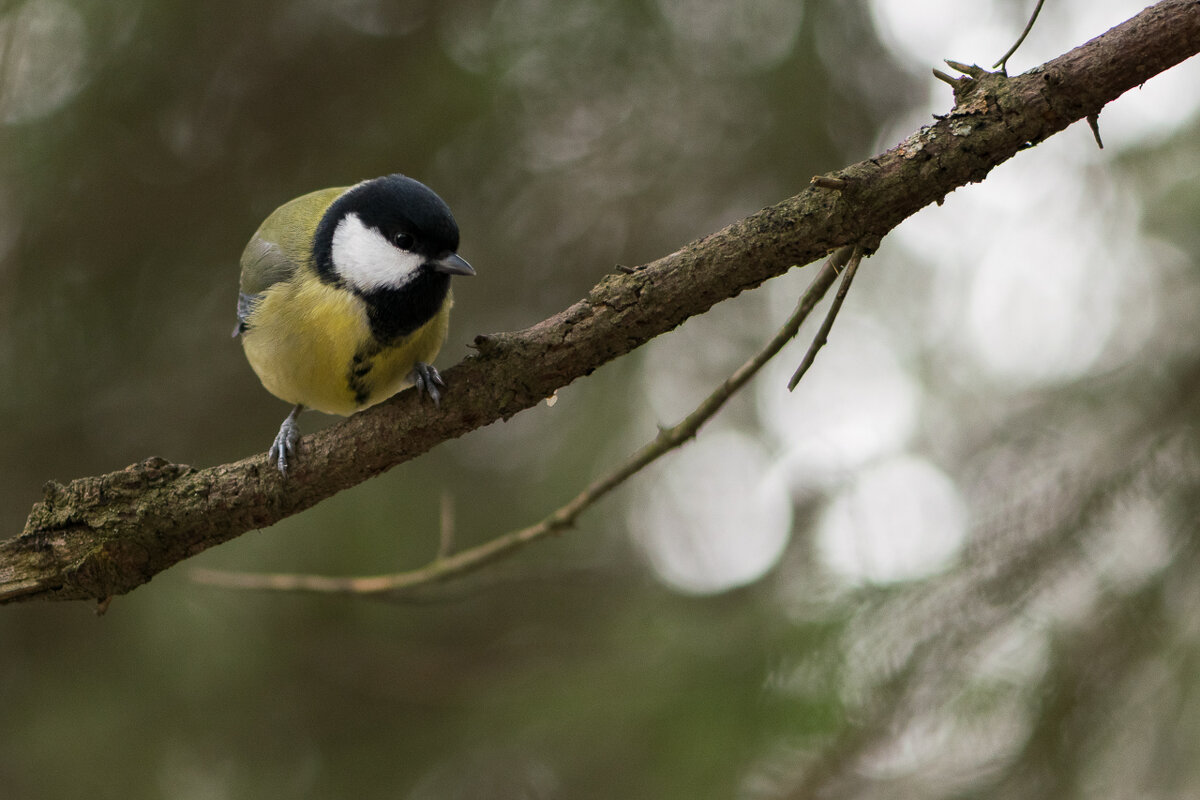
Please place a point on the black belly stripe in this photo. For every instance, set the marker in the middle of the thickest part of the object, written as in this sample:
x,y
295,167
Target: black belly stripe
x,y
394,314
356,379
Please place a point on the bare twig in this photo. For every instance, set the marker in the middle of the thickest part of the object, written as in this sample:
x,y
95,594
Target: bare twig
x,y
854,256
972,71
1002,64
448,566
1093,121
942,76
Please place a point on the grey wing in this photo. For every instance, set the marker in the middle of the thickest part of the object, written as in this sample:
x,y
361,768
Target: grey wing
x,y
246,305
263,265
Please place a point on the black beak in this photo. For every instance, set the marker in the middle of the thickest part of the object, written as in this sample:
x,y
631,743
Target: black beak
x,y
453,264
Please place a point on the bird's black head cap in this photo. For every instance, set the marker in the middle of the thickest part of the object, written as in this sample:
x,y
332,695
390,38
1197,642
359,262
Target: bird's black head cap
x,y
395,205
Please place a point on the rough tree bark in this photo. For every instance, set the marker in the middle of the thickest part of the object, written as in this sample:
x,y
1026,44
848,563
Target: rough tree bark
x,y
105,535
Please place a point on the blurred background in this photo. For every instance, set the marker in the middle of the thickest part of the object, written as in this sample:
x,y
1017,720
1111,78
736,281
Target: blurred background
x,y
958,561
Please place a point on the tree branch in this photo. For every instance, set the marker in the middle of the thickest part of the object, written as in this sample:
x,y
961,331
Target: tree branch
x,y
447,566
105,535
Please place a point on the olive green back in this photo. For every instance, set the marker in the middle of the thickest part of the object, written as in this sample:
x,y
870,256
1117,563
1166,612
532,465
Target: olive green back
x,y
283,243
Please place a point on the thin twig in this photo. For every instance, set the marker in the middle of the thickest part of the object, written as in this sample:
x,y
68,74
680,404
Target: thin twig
x,y
449,566
941,76
1093,121
970,70
823,332
1002,64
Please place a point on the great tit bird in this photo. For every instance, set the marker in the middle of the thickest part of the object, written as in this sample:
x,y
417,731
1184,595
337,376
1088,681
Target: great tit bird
x,y
345,298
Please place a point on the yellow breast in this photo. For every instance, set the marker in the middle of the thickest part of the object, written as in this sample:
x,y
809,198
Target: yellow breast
x,y
311,345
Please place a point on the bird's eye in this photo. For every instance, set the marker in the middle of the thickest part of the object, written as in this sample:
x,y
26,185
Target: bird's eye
x,y
404,241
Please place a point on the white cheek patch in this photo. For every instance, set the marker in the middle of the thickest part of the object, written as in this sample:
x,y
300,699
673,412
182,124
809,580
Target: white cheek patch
x,y
366,260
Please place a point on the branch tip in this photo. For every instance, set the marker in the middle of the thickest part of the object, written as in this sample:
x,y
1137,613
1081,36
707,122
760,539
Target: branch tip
x,y
848,257
829,182
942,76
1093,121
971,70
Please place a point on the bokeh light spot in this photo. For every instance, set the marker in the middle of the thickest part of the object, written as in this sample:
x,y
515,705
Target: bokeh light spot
x,y
857,403
900,520
714,518
745,36
43,49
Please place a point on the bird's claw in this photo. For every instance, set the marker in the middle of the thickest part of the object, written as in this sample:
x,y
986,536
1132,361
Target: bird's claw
x,y
284,446
427,380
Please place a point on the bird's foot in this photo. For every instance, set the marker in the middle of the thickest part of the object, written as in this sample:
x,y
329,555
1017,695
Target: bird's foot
x,y
284,446
427,380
